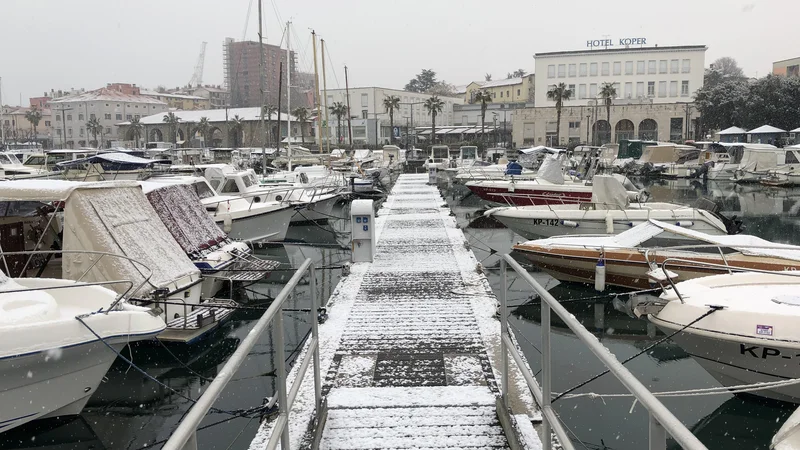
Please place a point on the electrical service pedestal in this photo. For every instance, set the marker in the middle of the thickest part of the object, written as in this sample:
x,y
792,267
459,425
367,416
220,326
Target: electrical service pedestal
x,y
362,219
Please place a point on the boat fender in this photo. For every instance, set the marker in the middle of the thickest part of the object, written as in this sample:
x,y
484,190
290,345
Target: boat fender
x,y
570,223
511,186
630,224
600,275
227,223
609,223
684,223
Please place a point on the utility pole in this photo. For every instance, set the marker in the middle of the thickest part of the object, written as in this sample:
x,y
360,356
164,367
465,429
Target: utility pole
x,y
261,89
325,97
316,92
349,123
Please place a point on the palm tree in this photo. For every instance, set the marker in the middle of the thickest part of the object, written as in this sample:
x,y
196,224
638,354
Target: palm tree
x,y
434,106
268,111
172,120
519,73
558,94
236,126
608,93
34,116
136,130
93,126
483,97
339,110
301,114
203,127
391,103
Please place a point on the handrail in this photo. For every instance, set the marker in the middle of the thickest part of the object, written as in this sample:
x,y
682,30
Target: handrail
x,y
661,419
185,435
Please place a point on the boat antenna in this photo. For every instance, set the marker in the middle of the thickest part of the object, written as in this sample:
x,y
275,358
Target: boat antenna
x,y
349,124
278,137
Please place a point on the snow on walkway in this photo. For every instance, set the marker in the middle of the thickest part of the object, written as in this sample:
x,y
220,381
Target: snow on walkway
x,y
411,347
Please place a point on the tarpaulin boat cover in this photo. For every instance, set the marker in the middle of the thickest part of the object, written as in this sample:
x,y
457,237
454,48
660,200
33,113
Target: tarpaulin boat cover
x,y
122,222
608,190
186,218
550,170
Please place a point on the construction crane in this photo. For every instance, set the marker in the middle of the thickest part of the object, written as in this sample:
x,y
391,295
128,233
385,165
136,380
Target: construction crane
x,y
197,78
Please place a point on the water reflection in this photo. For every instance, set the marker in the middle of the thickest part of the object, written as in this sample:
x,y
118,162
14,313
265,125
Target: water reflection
x,y
721,421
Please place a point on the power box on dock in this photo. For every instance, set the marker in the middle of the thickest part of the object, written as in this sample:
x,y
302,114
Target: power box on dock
x,y
362,219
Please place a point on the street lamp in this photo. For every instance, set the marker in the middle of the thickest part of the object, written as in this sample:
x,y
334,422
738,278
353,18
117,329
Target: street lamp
x,y
412,123
495,128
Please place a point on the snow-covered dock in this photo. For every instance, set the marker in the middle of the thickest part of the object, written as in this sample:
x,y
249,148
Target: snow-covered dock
x,y
411,350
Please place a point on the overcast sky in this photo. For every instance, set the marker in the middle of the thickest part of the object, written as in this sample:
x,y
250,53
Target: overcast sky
x,y
62,44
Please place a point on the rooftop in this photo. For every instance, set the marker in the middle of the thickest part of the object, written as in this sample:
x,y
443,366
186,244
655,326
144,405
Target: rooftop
x,y
107,94
213,115
624,50
766,129
168,95
506,82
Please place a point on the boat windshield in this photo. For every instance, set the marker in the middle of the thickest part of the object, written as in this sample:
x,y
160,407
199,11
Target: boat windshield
x,y
203,190
8,158
469,152
440,152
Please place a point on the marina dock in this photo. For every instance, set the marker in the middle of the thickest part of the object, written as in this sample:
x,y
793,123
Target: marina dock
x,y
411,349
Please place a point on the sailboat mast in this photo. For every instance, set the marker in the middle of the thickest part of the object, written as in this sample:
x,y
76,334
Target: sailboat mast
x,y
2,128
349,124
261,89
288,97
325,98
316,92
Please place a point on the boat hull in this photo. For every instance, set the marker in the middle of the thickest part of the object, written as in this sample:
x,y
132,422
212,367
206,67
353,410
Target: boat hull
x,y
270,226
316,211
543,195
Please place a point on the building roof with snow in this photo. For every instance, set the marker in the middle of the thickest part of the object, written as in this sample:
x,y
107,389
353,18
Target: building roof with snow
x,y
766,129
213,115
107,95
733,130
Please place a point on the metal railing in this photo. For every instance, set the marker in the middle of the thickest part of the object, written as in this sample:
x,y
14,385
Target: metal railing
x,y
185,436
662,421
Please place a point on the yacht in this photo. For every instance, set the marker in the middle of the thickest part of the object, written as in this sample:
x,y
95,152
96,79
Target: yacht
x,y
50,362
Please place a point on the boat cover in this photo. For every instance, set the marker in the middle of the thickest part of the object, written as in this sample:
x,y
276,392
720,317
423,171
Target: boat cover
x,y
636,236
550,169
122,222
119,160
186,218
608,190
50,190
761,159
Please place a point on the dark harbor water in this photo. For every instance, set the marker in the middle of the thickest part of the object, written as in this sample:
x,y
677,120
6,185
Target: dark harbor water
x,y
130,411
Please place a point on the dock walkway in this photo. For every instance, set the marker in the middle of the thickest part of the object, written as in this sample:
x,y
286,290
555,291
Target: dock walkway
x,y
411,349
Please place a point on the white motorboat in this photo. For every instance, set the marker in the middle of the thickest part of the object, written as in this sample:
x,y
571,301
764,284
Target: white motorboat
x,y
218,258
788,436
244,217
749,333
11,167
609,212
51,363
757,161
438,159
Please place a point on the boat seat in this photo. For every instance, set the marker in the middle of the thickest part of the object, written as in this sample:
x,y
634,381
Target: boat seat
x,y
17,308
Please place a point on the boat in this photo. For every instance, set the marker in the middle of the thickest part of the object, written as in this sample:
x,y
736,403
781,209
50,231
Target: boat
x,y
251,218
788,436
740,327
51,362
632,257
218,258
111,166
757,161
11,167
610,211
549,187
439,158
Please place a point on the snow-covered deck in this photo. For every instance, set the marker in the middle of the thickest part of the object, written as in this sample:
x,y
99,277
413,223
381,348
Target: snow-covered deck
x,y
411,349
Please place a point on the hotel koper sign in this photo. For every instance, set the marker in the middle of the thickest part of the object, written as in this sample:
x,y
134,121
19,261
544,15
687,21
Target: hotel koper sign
x,y
623,42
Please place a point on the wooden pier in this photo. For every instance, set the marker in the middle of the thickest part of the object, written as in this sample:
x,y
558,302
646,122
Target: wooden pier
x,y
411,350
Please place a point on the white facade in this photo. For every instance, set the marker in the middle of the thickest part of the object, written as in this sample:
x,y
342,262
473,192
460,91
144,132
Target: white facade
x,y
367,103
658,75
70,115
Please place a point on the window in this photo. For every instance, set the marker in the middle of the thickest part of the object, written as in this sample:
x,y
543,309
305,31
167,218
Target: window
x,y
651,66
69,117
582,91
676,129
501,94
662,88
593,69
685,88
119,116
686,66
518,92
617,67
562,70
582,70
364,100
106,104
662,66
791,158
628,90
330,99
69,132
573,70
593,90
80,117
673,88
128,117
80,132
58,119
364,114
91,116
47,123
108,116
651,88
58,132
616,89
674,66
464,120
639,67
604,69
108,130
628,67
551,71
230,187
571,88
640,89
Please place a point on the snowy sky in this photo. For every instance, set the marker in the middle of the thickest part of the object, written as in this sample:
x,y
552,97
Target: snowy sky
x,y
62,44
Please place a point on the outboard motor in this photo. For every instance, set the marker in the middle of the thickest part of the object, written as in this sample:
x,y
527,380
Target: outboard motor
x,y
732,226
